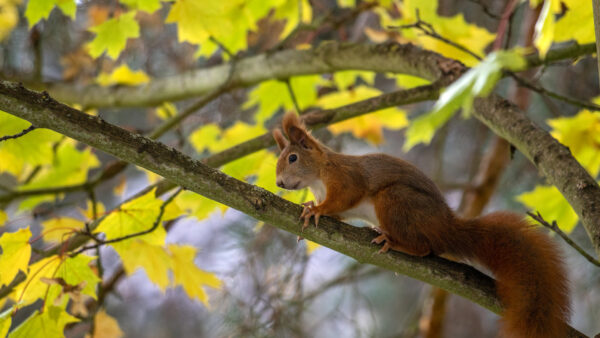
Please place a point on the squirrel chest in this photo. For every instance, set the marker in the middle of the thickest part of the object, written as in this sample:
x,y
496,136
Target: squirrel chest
x,y
365,210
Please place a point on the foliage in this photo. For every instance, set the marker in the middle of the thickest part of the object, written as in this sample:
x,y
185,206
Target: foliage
x,y
110,47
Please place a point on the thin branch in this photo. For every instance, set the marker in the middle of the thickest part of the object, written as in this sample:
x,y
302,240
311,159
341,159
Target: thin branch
x,y
100,242
543,91
23,132
554,227
293,95
428,30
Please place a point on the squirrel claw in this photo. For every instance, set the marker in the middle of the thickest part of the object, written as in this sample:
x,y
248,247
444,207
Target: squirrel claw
x,y
308,212
299,238
380,239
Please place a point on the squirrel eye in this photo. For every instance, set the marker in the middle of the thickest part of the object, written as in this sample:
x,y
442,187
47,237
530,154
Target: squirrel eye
x,y
293,158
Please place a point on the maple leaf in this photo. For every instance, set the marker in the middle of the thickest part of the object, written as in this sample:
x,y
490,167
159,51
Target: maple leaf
x,y
55,229
149,6
112,35
40,9
369,126
190,277
47,324
106,326
577,23
136,216
552,205
15,256
545,26
123,75
152,258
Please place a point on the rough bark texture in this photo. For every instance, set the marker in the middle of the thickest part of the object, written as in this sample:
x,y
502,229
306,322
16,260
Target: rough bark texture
x,y
44,112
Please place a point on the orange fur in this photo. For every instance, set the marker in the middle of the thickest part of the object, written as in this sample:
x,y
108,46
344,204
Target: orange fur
x,y
414,218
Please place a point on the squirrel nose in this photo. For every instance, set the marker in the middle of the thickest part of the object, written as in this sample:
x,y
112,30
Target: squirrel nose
x,y
280,184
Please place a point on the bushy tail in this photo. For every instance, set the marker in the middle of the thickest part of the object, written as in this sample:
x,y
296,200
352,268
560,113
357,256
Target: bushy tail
x,y
530,273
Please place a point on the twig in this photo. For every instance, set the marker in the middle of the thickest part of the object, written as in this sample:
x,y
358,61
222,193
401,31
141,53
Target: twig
x,y
543,91
23,132
293,95
554,227
428,30
486,9
100,242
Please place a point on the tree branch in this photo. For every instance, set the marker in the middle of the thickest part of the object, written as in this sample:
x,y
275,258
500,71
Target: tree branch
x,y
254,201
326,58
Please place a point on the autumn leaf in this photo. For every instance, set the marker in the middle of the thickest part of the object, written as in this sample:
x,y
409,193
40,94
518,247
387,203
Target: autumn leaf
x,y
544,28
9,17
211,137
40,9
3,217
15,256
49,323
188,275
551,204
152,258
123,75
149,6
577,23
56,229
369,126
112,35
106,326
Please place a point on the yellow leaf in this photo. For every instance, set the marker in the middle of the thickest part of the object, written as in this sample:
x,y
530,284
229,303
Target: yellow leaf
x,y
188,275
49,323
197,205
89,212
311,247
9,16
210,137
152,258
15,256
369,126
577,23
57,229
544,27
581,133
3,217
106,326
112,35
166,110
550,203
122,75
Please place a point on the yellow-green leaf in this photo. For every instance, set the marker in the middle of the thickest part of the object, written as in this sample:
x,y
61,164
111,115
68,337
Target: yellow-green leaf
x,y
477,82
197,205
210,137
3,217
112,35
40,9
551,204
47,324
544,27
15,256
9,17
5,321
166,110
577,23
122,75
345,79
188,275
136,216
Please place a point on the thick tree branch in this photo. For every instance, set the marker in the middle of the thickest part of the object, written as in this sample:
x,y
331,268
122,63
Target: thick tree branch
x,y
254,201
327,58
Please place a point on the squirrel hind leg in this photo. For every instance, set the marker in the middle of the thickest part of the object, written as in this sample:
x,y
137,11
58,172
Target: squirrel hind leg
x,y
415,249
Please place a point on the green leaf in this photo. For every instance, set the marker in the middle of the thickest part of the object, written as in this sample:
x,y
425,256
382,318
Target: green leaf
x,y
345,79
15,256
149,6
40,9
47,324
112,35
5,321
477,82
550,203
210,137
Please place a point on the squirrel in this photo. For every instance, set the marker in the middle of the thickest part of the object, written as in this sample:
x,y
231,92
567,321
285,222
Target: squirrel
x,y
411,216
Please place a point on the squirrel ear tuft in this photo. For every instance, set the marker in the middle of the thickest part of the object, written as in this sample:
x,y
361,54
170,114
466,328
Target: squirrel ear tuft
x,y
297,133
280,139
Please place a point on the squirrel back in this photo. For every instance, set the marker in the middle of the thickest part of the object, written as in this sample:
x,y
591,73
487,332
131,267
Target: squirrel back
x,y
414,218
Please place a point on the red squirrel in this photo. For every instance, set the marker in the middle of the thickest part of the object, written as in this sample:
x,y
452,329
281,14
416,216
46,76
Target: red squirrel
x,y
412,217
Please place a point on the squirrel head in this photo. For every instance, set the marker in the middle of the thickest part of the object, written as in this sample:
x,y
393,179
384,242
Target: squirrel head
x,y
301,157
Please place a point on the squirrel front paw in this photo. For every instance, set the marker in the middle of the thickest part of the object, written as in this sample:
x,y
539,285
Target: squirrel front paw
x,y
308,212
